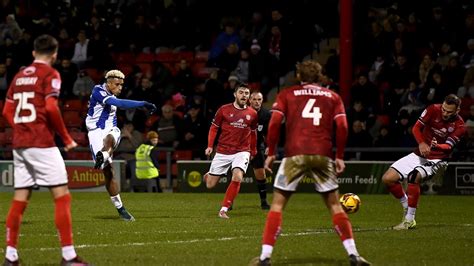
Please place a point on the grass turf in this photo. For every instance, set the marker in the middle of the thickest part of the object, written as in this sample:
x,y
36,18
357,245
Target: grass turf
x,y
183,229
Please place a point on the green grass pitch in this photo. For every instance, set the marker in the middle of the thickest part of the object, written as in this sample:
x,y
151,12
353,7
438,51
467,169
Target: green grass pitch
x,y
183,229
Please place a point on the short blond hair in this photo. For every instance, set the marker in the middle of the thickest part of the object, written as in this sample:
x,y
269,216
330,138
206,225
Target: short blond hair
x,y
114,74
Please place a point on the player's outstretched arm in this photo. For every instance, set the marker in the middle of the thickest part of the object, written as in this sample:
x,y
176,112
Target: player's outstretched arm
x,y
130,104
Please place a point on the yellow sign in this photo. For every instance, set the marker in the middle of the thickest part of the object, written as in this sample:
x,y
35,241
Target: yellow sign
x,y
194,179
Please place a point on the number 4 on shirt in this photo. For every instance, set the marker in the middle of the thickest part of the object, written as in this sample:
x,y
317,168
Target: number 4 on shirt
x,y
311,111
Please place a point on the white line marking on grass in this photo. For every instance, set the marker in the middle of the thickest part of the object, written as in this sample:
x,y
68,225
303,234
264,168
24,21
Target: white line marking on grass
x,y
306,233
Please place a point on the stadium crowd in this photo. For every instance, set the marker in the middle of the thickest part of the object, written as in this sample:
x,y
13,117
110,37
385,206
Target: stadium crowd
x,y
186,58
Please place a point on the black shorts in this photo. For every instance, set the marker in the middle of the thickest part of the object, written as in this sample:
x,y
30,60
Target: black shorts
x,y
259,160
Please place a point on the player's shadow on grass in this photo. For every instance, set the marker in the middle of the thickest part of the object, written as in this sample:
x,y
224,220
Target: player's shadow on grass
x,y
310,261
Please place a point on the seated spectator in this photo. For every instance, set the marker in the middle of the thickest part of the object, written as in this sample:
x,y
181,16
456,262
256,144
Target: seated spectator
x,y
194,132
385,138
184,79
358,136
169,126
366,92
81,53
242,69
83,85
357,112
223,40
130,140
403,131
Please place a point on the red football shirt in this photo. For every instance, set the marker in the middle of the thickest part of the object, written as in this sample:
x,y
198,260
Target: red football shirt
x,y
28,91
449,131
309,112
236,126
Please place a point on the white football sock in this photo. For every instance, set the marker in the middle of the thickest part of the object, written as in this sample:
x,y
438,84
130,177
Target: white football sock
x,y
69,252
411,214
350,246
266,252
224,209
11,254
404,201
116,201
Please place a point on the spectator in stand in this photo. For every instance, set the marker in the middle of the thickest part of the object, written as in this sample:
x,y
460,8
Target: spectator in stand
x,y
69,73
357,112
3,80
427,67
403,130
410,100
83,85
453,74
225,38
366,92
242,69
257,29
184,79
146,91
11,29
258,64
130,139
169,127
81,54
66,44
194,132
358,136
385,138
468,56
227,61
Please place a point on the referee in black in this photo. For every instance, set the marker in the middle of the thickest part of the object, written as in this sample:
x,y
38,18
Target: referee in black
x,y
256,99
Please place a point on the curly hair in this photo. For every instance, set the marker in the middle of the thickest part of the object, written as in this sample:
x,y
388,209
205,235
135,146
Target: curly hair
x,y
309,71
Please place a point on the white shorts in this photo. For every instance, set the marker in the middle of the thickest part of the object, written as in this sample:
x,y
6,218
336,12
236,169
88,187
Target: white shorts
x,y
38,166
320,168
426,167
97,136
221,162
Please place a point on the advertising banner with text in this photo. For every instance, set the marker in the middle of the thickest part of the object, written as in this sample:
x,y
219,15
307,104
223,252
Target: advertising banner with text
x,y
364,177
81,174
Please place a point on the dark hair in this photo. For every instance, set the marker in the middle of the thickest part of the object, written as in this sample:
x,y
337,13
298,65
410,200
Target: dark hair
x,y
452,99
241,85
46,44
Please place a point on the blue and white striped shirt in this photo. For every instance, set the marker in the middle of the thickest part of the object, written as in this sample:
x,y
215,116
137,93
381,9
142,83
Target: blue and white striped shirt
x,y
100,114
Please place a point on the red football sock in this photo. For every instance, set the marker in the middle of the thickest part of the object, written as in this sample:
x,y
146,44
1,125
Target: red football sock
x,y
272,228
413,195
14,220
396,189
342,225
63,219
231,193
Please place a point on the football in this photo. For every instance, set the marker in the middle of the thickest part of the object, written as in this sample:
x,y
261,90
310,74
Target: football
x,y
350,202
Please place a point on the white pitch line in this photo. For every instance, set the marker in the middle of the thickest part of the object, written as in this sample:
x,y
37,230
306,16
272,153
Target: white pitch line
x,y
305,233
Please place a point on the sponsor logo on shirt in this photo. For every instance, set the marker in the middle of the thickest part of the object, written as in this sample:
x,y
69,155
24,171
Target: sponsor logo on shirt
x,y
239,123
